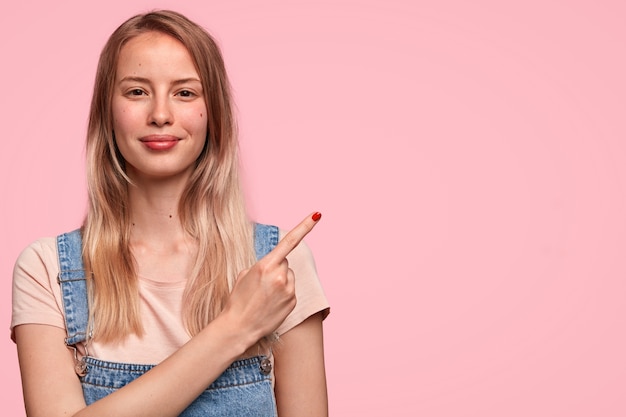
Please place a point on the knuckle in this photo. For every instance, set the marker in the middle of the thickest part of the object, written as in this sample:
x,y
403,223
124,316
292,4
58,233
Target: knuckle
x,y
279,281
264,267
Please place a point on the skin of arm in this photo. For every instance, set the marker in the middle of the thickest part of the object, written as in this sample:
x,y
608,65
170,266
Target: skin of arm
x,y
300,372
51,388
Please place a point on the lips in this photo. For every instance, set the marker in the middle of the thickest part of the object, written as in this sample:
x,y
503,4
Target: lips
x,y
159,142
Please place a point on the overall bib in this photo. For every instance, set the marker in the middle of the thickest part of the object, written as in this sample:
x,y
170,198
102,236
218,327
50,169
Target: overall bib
x,y
244,389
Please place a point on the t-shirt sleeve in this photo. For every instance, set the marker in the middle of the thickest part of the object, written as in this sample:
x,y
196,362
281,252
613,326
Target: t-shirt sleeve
x,y
36,293
309,293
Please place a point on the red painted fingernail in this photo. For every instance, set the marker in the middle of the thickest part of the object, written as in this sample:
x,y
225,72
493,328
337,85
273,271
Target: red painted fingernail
x,y
316,216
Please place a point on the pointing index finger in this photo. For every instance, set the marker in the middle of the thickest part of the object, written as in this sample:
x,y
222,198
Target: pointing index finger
x,y
293,238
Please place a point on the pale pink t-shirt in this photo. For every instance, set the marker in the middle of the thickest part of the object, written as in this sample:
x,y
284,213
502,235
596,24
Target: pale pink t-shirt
x,y
37,299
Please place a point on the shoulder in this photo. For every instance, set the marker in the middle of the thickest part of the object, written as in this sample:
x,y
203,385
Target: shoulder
x,y
41,255
309,292
36,294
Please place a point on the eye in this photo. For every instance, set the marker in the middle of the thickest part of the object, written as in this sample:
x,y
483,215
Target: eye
x,y
186,94
136,92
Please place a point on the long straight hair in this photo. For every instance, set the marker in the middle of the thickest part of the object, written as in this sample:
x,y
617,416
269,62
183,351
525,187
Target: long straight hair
x,y
211,207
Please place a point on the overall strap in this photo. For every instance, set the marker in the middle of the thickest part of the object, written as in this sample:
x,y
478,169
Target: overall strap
x,y
73,286
265,239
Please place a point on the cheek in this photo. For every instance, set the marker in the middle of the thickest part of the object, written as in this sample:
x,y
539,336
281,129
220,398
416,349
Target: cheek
x,y
201,120
120,117
196,120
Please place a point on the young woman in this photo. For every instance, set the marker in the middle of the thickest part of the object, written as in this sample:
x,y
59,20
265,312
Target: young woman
x,y
168,301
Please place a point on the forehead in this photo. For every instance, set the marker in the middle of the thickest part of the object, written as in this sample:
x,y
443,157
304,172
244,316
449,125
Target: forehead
x,y
155,53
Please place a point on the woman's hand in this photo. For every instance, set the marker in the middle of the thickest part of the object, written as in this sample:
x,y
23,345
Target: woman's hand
x,y
261,299
264,295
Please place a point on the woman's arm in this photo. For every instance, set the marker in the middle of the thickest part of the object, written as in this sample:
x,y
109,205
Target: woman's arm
x,y
261,299
51,387
300,372
49,382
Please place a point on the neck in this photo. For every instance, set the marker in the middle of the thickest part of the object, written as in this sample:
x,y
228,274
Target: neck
x,y
153,205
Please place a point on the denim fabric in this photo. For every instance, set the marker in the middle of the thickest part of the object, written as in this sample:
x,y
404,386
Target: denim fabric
x,y
73,286
242,390
265,239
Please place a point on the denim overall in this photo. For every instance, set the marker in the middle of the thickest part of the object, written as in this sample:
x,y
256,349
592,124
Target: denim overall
x,y
244,389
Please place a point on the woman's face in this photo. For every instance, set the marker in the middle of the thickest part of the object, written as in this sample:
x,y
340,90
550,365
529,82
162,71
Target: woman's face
x,y
159,112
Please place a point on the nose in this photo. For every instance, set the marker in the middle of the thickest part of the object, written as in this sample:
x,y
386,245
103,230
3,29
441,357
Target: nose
x,y
161,113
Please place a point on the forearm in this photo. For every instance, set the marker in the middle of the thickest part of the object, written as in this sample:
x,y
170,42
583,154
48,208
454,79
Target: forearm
x,y
52,389
171,386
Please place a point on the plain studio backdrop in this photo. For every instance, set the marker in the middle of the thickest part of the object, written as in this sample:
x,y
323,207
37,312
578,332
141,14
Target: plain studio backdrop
x,y
468,157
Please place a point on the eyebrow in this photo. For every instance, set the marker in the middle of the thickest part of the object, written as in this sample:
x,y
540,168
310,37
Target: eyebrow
x,y
147,81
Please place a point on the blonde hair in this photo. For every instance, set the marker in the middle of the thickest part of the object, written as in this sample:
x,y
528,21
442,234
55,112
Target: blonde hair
x,y
211,207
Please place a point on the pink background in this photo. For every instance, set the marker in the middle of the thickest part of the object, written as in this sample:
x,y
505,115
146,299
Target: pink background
x,y
469,159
